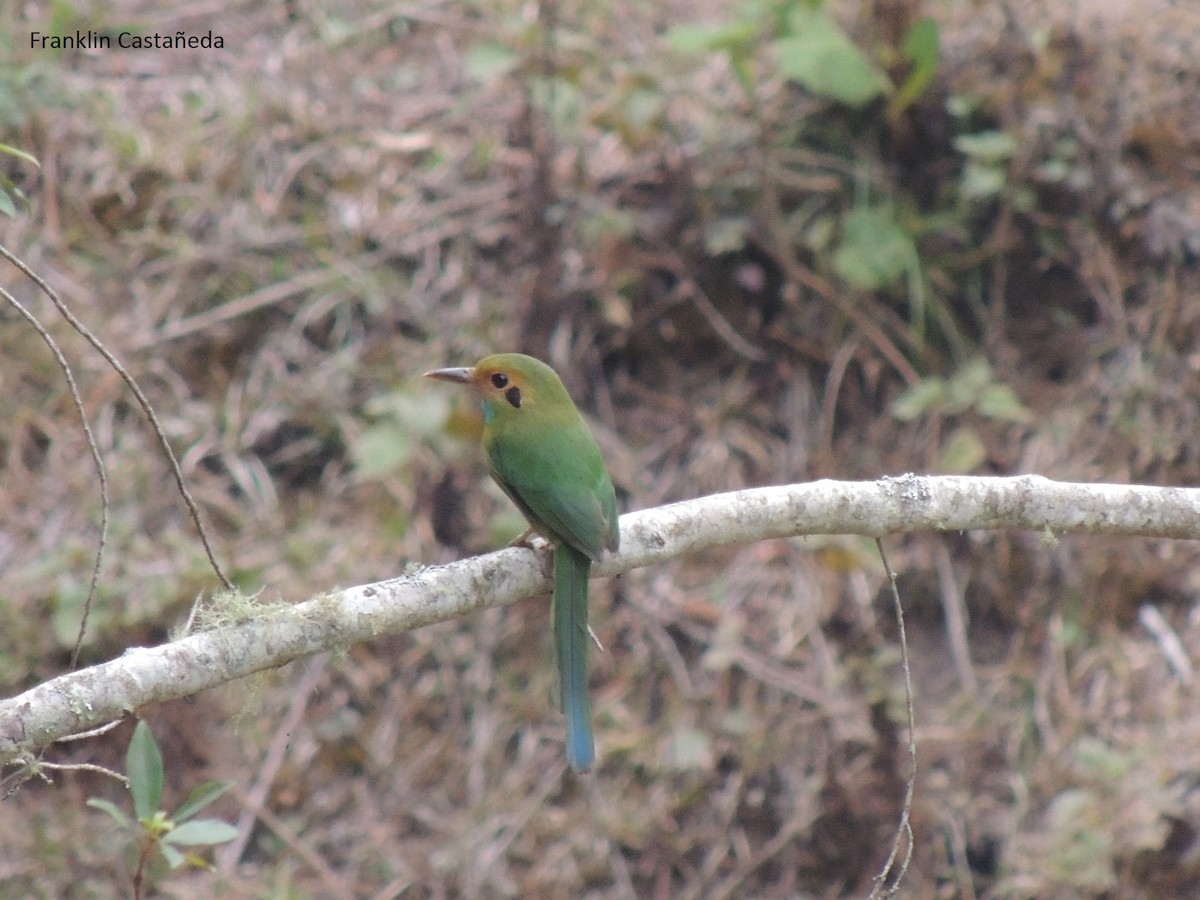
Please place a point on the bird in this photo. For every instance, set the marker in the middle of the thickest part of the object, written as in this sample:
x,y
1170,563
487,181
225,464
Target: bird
x,y
542,454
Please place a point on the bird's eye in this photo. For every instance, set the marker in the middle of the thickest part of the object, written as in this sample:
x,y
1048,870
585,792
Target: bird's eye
x,y
499,380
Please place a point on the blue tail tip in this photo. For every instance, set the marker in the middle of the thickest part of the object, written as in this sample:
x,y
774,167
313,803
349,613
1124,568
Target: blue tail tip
x,y
581,755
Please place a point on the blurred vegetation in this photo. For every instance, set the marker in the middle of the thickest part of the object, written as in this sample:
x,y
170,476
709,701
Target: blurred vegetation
x,y
763,243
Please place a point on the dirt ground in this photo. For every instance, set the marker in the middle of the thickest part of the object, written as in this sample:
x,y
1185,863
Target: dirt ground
x,y
278,236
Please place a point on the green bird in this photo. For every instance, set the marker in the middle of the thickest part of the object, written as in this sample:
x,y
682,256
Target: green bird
x,y
543,456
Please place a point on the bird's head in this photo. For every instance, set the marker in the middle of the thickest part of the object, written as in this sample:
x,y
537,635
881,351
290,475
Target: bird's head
x,y
510,386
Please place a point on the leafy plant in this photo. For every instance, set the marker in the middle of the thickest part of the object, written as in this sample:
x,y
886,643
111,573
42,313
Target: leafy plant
x,y
973,386
876,249
985,174
871,245
922,49
153,832
813,50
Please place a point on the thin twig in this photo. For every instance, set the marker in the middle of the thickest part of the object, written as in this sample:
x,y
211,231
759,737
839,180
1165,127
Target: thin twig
x,y
334,883
91,732
688,288
957,620
97,461
904,828
732,886
267,296
85,767
144,403
722,326
1168,641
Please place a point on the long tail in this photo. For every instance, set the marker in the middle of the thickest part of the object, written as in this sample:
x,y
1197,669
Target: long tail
x,y
571,639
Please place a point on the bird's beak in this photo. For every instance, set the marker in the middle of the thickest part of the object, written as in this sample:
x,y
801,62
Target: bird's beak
x,y
462,376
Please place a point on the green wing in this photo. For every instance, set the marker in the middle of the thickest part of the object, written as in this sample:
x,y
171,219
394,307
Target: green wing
x,y
559,482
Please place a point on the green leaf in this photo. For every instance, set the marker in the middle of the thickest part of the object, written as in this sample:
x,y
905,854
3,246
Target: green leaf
x,y
968,383
972,387
1080,850
1000,402
822,58
201,832
963,453
6,204
921,47
403,418
875,250
20,154
643,107
491,60
1096,759
987,146
143,764
381,449
695,39
174,858
926,394
980,181
726,235
112,809
200,797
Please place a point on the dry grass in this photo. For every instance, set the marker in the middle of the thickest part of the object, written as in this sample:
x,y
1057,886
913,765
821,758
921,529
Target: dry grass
x,y
278,237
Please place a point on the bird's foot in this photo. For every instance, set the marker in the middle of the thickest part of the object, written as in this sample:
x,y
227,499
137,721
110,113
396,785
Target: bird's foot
x,y
530,540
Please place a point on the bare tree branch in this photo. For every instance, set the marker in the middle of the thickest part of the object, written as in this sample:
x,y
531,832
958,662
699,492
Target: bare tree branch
x,y
87,698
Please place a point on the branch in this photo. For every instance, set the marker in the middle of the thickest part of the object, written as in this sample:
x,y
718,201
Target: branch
x,y
84,699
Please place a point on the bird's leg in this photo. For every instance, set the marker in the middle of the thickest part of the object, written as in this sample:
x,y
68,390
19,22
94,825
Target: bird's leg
x,y
530,538
522,539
